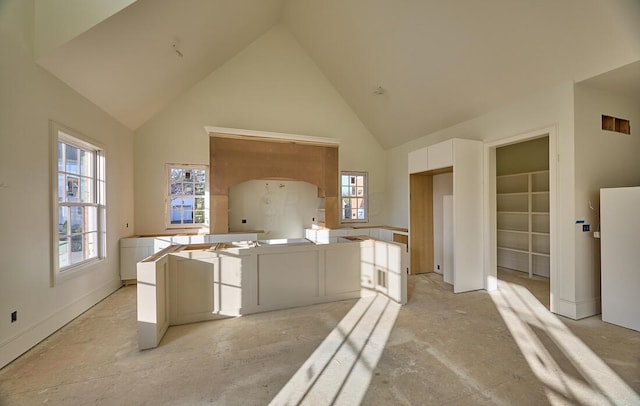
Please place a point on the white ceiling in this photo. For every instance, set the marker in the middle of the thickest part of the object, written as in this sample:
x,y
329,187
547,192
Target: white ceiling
x,y
439,62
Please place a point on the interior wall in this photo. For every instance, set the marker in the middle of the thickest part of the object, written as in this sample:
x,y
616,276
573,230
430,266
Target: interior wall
x,y
603,159
30,97
272,85
527,156
442,186
549,107
281,208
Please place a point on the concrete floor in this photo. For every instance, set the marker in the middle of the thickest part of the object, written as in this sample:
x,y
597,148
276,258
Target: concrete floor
x,y
439,349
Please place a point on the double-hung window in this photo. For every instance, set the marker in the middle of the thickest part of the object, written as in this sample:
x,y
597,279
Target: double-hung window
x,y
79,200
187,203
353,186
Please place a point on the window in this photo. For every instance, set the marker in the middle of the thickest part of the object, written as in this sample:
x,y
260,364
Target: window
x,y
187,196
354,196
79,199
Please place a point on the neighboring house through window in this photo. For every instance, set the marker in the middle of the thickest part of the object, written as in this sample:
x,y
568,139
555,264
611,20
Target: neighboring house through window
x,y
79,200
187,204
353,186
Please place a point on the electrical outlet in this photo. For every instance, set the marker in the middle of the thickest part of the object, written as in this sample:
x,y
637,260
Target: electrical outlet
x,y
14,316
244,221
586,228
438,267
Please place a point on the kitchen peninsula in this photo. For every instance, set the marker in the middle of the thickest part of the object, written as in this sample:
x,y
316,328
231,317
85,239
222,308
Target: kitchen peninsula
x,y
190,283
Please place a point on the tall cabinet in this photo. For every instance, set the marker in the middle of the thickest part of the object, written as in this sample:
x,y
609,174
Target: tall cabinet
x,y
465,160
523,222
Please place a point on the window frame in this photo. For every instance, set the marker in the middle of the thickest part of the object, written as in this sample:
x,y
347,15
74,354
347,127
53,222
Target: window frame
x,y
68,136
365,197
169,197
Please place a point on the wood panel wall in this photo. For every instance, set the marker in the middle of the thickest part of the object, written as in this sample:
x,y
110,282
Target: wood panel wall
x,y
421,218
235,159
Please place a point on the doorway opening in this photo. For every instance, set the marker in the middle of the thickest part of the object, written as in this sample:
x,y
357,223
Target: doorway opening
x,y
522,196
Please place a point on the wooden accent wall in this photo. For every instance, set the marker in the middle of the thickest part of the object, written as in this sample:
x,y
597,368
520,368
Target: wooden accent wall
x,y
421,227
235,159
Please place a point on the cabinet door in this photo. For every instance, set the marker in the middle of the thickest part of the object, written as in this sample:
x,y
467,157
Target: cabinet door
x,y
440,155
418,160
129,257
192,290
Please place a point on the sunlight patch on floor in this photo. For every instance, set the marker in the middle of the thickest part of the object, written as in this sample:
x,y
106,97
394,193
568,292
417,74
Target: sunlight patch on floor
x,y
340,369
530,323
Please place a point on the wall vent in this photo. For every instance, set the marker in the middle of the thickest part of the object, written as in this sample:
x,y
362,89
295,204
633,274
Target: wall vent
x,y
619,125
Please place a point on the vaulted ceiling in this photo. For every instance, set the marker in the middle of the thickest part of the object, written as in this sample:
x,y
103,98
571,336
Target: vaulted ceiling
x,y
406,68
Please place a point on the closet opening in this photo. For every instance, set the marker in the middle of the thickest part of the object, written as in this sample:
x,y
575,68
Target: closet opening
x,y
522,213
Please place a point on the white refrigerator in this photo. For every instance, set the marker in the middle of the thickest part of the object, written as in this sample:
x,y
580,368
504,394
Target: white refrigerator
x,y
620,256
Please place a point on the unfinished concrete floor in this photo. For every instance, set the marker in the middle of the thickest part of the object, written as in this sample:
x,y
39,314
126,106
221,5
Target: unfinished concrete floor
x,y
442,349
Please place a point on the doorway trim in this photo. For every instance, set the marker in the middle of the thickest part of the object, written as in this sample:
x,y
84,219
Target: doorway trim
x,y
490,217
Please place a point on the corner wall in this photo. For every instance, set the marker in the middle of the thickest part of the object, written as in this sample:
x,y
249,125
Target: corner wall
x,y
29,98
272,85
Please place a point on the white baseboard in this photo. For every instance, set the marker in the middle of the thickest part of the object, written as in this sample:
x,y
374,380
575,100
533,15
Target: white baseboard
x,y
578,310
20,343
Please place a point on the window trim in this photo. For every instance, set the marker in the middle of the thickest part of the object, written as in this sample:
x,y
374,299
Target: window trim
x,y
167,198
59,132
366,196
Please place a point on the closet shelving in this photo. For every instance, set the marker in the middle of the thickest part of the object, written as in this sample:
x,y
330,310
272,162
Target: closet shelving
x,y
523,222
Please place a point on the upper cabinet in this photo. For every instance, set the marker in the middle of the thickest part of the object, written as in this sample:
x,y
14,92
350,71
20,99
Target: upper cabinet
x,y
418,160
440,155
436,156
465,159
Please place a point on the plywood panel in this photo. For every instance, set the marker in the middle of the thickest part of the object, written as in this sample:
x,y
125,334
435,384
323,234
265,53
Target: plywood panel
x,y
236,160
401,238
421,227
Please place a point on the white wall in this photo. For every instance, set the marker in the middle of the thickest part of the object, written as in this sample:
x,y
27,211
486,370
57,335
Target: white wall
x,y
527,156
29,98
547,108
272,85
604,159
280,208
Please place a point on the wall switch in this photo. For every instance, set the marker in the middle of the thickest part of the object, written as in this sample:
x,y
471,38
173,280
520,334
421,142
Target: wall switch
x,y
596,234
586,228
14,316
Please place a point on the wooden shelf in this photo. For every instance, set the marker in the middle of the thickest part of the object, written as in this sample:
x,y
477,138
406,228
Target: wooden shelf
x,y
513,250
506,230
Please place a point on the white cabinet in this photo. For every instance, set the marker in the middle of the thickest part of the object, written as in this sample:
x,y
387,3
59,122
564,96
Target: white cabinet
x,y
440,155
620,256
133,250
523,222
417,160
432,157
464,158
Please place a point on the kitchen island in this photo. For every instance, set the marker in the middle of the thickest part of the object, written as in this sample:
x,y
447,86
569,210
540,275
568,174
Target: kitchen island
x,y
190,283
